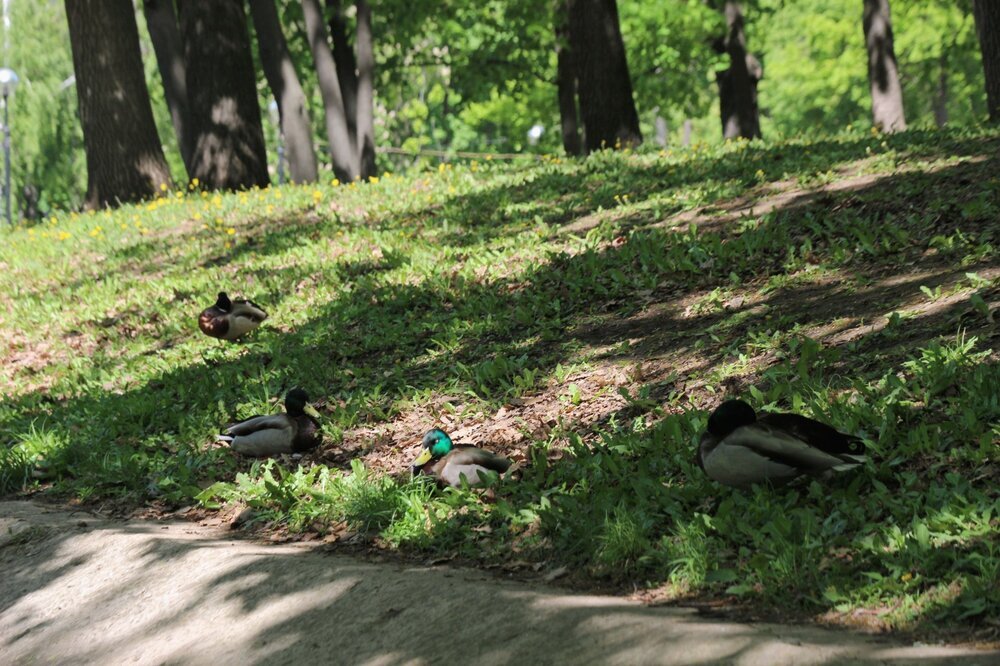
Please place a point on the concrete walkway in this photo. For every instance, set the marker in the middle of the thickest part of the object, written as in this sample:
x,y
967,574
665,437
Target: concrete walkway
x,y
78,589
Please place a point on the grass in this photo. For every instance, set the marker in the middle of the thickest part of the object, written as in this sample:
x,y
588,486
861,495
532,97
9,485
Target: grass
x,y
581,316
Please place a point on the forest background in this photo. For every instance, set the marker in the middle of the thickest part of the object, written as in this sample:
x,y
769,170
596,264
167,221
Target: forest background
x,y
478,76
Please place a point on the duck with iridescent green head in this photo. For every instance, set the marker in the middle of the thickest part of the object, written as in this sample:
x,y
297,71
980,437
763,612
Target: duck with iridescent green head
x,y
450,463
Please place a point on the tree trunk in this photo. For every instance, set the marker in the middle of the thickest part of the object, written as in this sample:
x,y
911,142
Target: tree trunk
x,y
225,116
662,131
566,84
738,84
987,15
342,150
604,86
883,73
347,66
161,20
940,101
366,90
124,157
284,83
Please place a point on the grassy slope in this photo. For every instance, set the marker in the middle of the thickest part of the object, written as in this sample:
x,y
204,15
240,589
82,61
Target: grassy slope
x,y
579,316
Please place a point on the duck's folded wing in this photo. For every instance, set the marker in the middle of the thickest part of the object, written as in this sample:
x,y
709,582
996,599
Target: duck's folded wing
x,y
275,421
471,455
781,447
249,310
819,435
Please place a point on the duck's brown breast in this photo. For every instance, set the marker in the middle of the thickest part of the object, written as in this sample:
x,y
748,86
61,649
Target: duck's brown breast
x,y
212,324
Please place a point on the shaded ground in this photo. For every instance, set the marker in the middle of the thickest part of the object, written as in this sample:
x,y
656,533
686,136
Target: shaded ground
x,y
79,588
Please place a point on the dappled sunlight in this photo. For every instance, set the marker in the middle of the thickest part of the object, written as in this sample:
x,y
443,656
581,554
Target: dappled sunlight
x,y
197,596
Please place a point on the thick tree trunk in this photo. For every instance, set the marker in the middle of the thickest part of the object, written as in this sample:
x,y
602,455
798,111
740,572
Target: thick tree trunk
x,y
366,90
342,149
347,66
284,82
604,86
883,73
738,84
987,15
161,20
225,116
124,157
569,117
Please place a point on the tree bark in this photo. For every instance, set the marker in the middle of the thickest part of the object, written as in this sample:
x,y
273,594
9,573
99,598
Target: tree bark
x,y
225,116
604,86
569,117
284,82
124,157
883,73
738,83
161,20
940,101
987,15
347,66
342,150
366,90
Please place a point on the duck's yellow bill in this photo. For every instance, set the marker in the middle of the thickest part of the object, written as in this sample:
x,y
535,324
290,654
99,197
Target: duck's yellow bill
x,y
422,459
311,411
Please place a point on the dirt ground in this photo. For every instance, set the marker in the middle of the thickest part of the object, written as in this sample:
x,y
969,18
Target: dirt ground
x,y
78,588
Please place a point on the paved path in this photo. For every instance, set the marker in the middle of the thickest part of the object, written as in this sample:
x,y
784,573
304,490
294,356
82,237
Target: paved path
x,y
78,589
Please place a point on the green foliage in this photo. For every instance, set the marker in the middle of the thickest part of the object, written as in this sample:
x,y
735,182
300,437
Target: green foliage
x,y
46,139
815,73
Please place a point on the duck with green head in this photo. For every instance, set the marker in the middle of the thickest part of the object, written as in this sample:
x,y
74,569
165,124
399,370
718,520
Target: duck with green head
x,y
295,431
450,464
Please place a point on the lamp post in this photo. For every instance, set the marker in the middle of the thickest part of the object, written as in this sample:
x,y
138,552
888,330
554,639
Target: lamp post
x,y
8,83
272,109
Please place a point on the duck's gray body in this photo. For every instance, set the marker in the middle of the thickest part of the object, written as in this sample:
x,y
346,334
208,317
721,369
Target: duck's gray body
x,y
263,435
775,448
468,462
293,432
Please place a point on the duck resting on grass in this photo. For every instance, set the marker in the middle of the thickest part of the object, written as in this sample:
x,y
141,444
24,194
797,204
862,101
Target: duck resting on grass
x,y
741,449
228,320
449,463
295,431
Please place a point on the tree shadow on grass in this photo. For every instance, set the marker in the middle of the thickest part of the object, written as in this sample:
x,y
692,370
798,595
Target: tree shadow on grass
x,y
557,196
383,333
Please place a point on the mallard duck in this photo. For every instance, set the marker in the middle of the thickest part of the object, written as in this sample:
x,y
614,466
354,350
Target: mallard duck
x,y
449,463
228,320
741,449
294,431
